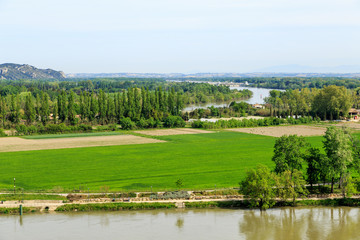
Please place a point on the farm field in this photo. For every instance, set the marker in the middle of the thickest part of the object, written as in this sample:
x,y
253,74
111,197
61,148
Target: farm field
x,y
201,160
15,144
278,131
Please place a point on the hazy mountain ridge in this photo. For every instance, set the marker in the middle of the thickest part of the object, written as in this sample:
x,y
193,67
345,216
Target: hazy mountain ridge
x,y
210,75
11,71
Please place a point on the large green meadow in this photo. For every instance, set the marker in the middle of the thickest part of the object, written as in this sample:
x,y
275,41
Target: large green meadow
x,y
200,160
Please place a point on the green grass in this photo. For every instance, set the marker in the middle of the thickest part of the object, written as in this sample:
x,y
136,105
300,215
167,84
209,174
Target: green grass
x,y
201,160
72,135
19,196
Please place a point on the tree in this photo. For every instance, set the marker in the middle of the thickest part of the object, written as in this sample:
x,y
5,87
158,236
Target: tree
x,y
291,185
315,165
29,110
288,153
338,149
71,108
179,183
259,185
3,110
347,184
45,108
331,102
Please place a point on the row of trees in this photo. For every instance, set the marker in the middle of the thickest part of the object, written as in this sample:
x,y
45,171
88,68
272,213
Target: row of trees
x,y
191,92
291,153
89,107
329,103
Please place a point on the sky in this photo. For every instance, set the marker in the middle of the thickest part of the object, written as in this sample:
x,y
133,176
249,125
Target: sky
x,y
187,36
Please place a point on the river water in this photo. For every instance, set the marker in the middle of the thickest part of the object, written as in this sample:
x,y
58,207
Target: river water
x,y
258,97
282,223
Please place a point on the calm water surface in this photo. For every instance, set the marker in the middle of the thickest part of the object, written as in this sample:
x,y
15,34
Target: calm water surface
x,y
285,223
258,97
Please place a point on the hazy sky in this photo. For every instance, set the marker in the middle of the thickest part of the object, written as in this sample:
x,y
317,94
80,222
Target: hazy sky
x,y
179,36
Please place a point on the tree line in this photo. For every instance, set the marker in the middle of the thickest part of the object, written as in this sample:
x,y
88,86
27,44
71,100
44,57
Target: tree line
x,y
192,92
340,156
89,107
328,103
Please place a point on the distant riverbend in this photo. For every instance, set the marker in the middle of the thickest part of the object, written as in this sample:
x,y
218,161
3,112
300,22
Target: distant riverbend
x,y
259,94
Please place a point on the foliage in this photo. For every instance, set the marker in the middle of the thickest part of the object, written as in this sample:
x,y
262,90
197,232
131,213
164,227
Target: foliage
x,y
291,185
259,185
338,149
179,183
317,166
171,195
234,123
174,121
112,206
288,153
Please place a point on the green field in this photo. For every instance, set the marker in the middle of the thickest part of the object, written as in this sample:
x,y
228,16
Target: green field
x,y
201,160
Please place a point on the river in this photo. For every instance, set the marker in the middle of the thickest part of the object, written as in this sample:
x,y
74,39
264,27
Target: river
x,y
258,97
282,223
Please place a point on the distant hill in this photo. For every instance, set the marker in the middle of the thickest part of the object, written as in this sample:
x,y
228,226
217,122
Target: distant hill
x,y
11,71
213,75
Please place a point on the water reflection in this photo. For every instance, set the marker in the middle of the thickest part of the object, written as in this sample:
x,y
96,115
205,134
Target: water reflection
x,y
295,223
259,95
284,223
179,223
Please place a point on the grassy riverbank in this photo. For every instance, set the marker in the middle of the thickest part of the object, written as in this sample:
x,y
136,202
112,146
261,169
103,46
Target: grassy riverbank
x,y
113,206
18,197
17,210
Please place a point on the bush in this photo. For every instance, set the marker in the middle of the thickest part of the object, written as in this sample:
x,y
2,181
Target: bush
x,y
174,121
127,124
2,133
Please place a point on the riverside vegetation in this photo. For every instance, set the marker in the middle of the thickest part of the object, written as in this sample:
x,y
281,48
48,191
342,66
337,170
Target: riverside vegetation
x,y
74,106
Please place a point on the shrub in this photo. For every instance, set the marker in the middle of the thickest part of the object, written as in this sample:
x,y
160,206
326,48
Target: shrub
x,y
174,121
2,133
127,124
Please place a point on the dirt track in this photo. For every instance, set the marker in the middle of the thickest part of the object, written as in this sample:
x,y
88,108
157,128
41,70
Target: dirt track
x,y
283,130
175,131
15,144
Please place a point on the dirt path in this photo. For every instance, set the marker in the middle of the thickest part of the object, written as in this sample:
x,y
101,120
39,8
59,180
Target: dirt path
x,y
15,144
174,131
299,130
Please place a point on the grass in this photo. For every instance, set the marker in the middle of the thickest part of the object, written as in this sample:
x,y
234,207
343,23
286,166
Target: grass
x,y
19,196
72,135
200,160
113,206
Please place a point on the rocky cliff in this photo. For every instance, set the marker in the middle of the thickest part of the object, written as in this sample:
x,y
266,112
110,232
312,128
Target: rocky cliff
x,y
13,71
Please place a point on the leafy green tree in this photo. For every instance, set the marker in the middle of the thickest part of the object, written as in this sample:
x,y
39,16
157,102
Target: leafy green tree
x,y
291,185
315,165
331,102
348,186
55,113
260,186
289,153
338,149
3,110
14,115
29,110
179,183
71,108
45,108
62,106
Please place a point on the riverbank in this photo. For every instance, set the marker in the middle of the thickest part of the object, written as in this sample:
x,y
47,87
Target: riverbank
x,y
223,203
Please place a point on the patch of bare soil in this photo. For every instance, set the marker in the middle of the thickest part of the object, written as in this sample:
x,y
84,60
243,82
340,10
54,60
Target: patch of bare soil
x,y
283,130
15,144
175,131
